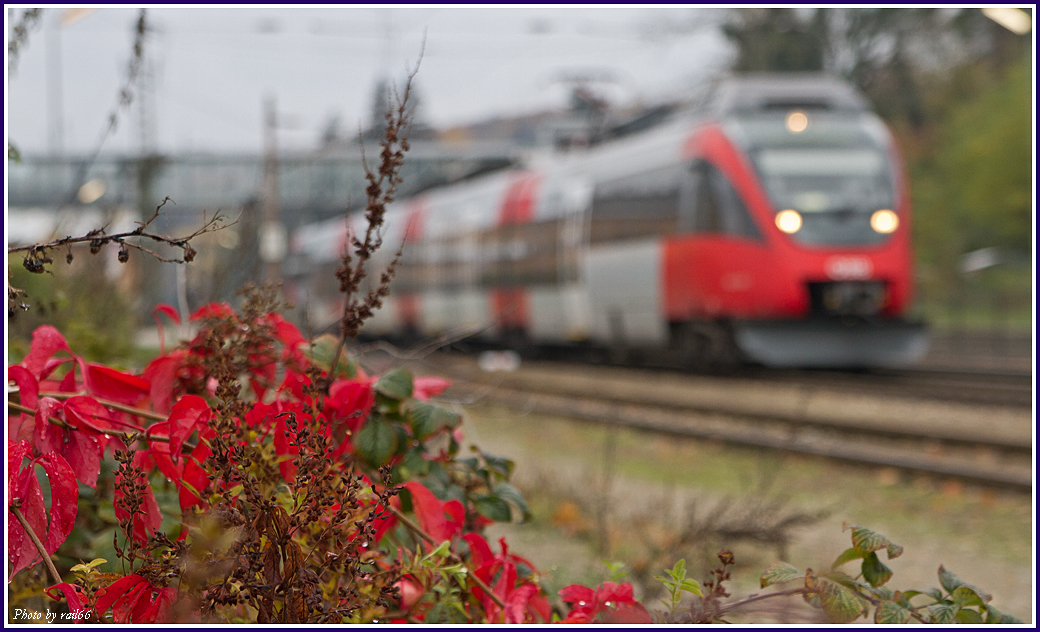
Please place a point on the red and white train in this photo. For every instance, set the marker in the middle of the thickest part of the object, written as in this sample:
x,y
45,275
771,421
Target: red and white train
x,y
771,226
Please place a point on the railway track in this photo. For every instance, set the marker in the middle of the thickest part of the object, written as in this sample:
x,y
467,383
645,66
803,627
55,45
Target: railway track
x,y
980,444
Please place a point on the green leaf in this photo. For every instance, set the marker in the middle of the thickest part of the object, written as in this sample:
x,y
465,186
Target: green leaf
x,y
427,419
841,604
874,571
678,571
951,582
498,464
493,508
967,615
996,616
376,442
865,541
395,384
882,593
965,595
779,572
692,586
846,557
891,612
512,495
942,613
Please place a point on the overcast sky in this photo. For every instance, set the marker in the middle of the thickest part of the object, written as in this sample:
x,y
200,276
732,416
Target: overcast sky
x,y
213,67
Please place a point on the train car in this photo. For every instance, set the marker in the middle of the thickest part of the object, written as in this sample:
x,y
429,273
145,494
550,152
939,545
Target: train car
x,y
771,226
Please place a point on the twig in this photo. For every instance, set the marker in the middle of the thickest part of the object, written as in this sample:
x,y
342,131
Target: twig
x,y
455,558
14,507
37,256
727,607
188,446
137,412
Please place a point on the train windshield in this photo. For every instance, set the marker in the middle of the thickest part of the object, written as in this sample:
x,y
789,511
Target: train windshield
x,y
835,176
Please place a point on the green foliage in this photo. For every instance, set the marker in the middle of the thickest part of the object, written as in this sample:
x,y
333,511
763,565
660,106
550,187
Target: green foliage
x,y
677,584
845,599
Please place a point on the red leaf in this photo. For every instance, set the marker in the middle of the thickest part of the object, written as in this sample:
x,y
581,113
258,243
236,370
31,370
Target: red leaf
x,y
188,413
28,385
213,310
64,500
48,436
45,343
85,412
286,449
161,374
516,603
627,613
115,385
430,513
23,486
68,383
429,386
195,476
72,596
479,549
83,453
174,316
576,593
115,591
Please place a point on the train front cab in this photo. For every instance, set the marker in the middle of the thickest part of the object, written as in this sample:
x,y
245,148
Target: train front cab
x,y
793,244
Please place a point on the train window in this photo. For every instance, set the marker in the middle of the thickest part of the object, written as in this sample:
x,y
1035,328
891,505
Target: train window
x,y
716,205
639,206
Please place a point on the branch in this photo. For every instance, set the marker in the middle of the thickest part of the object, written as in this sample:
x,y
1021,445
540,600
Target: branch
x,y
35,539
37,257
727,607
188,446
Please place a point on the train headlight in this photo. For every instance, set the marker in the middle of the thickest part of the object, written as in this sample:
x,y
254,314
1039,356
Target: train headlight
x,y
789,221
884,221
797,122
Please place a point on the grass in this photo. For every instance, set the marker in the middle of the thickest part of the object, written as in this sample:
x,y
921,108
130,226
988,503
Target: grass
x,y
985,537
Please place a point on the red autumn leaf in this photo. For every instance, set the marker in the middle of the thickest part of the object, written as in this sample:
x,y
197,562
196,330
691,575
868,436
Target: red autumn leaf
x,y
84,412
431,513
189,413
115,385
348,405
72,596
286,449
195,476
429,386
213,310
64,500
479,549
163,308
24,489
119,591
517,602
46,341
161,374
28,385
83,453
47,436
68,383
81,449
